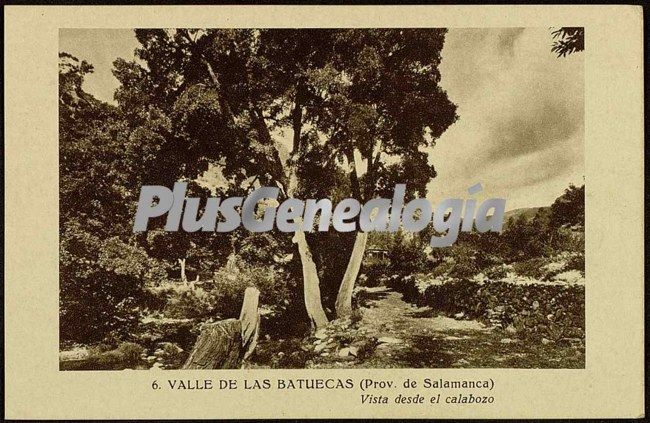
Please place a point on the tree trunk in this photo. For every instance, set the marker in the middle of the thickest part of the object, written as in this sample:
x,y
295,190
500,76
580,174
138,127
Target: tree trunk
x,y
311,283
310,275
225,344
344,297
182,263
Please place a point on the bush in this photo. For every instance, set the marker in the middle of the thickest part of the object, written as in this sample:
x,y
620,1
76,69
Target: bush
x,y
374,271
126,355
222,296
576,262
532,268
187,301
171,355
130,353
498,272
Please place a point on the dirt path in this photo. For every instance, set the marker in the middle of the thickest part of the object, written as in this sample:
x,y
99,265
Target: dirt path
x,y
410,336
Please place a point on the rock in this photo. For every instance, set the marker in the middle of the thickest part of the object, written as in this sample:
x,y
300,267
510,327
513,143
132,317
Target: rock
x,y
354,351
535,305
320,347
389,340
344,352
511,329
545,341
151,359
459,316
325,354
321,334
507,341
318,341
157,366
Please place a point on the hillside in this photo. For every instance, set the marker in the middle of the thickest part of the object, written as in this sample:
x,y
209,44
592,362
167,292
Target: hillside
x,y
527,212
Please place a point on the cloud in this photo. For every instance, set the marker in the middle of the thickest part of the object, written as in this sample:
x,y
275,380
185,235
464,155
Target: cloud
x,y
521,126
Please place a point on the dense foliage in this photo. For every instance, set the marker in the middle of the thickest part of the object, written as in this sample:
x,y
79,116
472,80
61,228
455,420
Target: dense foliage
x,y
213,105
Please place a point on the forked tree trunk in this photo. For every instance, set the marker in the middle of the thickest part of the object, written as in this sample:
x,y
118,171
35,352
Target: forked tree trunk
x,y
310,276
344,297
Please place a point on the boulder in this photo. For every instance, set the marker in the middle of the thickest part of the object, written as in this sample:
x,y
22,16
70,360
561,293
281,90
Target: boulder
x,y
389,340
321,334
322,346
344,352
157,366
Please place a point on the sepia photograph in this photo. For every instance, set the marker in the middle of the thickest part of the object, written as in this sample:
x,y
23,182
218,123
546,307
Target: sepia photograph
x,y
321,211
456,155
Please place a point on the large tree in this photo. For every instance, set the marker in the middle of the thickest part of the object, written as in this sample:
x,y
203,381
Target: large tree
x,y
366,102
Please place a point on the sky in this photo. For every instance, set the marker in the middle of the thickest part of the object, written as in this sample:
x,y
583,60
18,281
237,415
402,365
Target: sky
x,y
520,131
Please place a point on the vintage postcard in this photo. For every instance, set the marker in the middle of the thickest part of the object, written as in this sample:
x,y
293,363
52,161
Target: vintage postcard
x,y
324,211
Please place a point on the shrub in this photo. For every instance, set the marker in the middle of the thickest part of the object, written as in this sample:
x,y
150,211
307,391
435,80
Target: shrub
x,y
531,268
222,296
187,301
126,355
498,272
171,355
576,262
130,353
227,295
373,271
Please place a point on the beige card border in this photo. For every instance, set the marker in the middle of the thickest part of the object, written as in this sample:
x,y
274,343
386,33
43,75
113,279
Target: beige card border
x,y
612,383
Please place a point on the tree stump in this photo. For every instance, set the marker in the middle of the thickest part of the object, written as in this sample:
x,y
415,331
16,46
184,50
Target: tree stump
x,y
219,346
225,344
